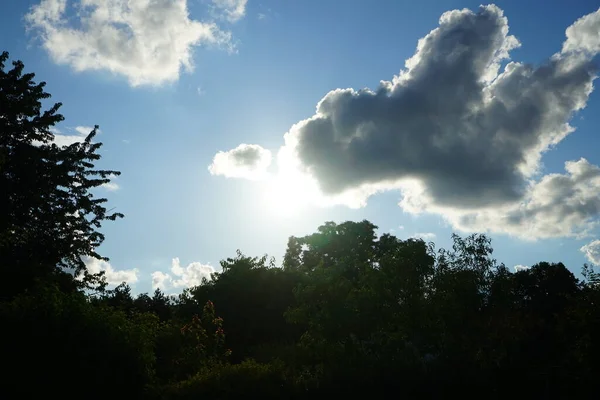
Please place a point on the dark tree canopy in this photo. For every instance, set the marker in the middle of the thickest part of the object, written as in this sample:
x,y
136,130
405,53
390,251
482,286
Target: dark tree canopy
x,y
50,219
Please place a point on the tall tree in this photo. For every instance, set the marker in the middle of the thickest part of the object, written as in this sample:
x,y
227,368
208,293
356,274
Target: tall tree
x,y
50,219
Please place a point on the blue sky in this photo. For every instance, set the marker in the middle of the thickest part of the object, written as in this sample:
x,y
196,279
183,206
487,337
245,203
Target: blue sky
x,y
256,68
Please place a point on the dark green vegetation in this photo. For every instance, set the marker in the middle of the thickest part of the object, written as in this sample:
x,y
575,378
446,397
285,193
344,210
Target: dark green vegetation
x,y
348,314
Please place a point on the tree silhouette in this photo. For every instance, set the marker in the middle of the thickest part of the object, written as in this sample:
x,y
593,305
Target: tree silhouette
x,y
50,219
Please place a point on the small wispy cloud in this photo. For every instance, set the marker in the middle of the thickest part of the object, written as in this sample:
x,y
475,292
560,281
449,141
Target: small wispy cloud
x,y
230,10
424,236
399,228
265,13
84,130
592,252
61,139
249,161
110,186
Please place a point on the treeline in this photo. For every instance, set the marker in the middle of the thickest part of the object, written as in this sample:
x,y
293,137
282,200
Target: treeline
x,y
348,313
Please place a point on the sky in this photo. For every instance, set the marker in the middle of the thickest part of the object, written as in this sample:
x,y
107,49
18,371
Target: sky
x,y
239,123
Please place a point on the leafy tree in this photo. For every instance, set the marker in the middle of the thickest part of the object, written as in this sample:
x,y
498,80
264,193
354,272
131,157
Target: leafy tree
x,y
359,301
50,219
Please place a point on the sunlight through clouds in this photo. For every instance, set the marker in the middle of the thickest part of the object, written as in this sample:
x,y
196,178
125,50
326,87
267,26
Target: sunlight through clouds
x,y
458,135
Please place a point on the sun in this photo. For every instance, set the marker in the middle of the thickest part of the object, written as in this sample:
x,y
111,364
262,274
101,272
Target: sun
x,y
289,195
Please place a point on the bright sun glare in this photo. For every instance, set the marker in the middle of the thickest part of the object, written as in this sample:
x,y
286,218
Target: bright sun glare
x,y
289,195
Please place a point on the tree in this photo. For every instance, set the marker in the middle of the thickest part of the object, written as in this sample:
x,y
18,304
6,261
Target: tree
x,y
50,219
360,301
252,297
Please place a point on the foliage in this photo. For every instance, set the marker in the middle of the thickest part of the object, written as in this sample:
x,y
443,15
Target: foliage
x,y
198,343
226,381
53,338
252,297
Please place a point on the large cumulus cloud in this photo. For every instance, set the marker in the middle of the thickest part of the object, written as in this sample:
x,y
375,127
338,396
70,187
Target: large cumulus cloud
x,y
460,135
471,137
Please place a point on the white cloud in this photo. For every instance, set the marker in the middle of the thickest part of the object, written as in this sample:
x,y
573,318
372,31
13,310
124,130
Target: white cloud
x,y
111,186
67,140
265,13
459,136
61,139
113,277
160,280
84,130
425,236
181,277
231,10
592,252
520,267
249,161
558,205
148,42
584,35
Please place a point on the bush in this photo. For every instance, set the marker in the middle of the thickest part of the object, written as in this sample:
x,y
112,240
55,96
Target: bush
x,y
227,381
62,346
